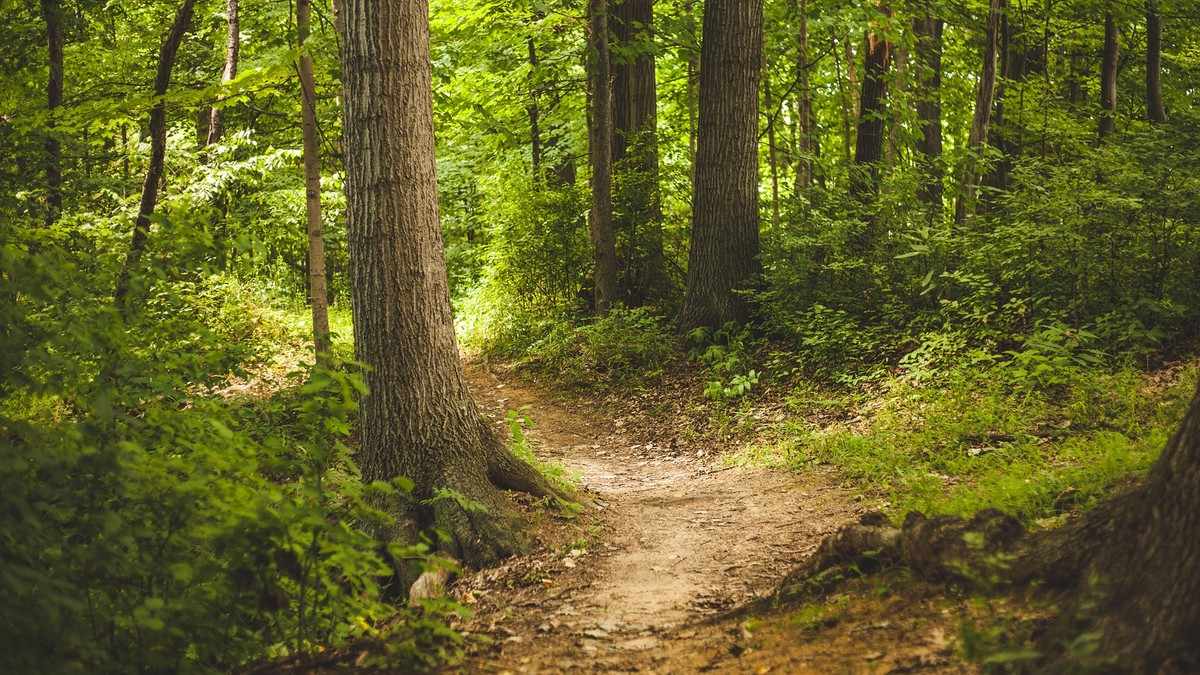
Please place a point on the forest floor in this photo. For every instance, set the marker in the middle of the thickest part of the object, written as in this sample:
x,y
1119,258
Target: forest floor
x,y
643,581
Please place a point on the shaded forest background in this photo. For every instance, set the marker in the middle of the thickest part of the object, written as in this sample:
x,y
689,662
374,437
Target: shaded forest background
x,y
975,227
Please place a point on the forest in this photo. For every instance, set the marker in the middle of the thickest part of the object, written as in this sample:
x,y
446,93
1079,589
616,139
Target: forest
x,y
613,335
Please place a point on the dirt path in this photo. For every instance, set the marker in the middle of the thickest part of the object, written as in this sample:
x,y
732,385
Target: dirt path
x,y
680,538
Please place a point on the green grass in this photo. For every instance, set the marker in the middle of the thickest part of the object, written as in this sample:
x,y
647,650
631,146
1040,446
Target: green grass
x,y
970,440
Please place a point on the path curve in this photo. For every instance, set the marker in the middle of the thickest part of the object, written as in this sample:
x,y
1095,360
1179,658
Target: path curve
x,y
682,538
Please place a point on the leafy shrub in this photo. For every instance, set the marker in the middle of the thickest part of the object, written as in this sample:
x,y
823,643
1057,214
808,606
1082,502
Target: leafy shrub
x,y
622,343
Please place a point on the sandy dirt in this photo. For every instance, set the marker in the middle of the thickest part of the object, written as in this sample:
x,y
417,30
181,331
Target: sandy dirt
x,y
675,538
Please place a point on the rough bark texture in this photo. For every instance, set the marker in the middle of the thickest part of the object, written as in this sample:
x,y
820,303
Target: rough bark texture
x,y
51,10
158,148
419,420
1108,78
984,96
318,293
927,28
869,139
724,252
804,113
1129,567
233,41
637,205
600,135
1156,112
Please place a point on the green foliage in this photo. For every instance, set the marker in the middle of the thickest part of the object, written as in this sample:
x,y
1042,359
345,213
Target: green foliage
x,y
723,353
556,472
153,521
976,436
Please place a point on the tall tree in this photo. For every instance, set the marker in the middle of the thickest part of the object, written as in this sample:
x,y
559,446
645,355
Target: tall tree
x,y
600,140
1108,77
869,139
927,29
318,293
724,252
419,420
637,204
984,94
233,42
806,144
51,11
158,148
1155,110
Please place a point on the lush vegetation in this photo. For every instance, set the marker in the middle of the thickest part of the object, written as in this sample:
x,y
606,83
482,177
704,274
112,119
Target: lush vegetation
x,y
178,488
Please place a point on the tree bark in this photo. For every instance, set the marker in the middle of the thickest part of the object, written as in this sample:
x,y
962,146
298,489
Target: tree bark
x,y
1108,78
869,139
419,420
849,112
724,250
535,130
637,205
600,140
318,293
52,12
983,111
158,149
233,41
804,113
772,155
927,27
1155,110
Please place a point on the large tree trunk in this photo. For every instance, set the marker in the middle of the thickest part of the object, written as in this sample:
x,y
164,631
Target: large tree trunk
x,y
927,27
869,139
1108,78
419,420
724,251
318,293
158,149
983,112
637,203
1156,112
233,41
600,135
54,93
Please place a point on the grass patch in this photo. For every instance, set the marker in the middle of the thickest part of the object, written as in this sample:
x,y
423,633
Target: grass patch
x,y
971,439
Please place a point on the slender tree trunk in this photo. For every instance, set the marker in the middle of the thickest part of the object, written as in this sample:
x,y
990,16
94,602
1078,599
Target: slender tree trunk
x,y
849,111
637,202
772,155
318,293
600,221
804,114
233,41
724,251
983,112
928,30
869,139
1108,78
852,75
535,132
158,149
419,419
1155,110
52,11
891,151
